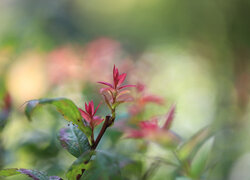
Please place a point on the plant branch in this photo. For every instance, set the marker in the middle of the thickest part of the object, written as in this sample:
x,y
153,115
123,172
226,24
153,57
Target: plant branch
x,y
108,122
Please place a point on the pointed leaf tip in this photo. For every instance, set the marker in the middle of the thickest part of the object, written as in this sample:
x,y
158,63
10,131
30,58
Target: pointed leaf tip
x,y
169,117
188,150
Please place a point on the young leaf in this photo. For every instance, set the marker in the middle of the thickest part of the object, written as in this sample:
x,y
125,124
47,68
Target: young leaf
x,y
188,150
74,140
82,162
200,161
64,106
169,118
33,174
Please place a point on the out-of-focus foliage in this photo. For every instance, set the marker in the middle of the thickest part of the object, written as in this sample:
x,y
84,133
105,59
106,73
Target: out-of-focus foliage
x,y
31,173
194,54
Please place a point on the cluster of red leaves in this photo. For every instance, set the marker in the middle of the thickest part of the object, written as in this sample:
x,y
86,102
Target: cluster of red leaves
x,y
150,129
89,114
114,94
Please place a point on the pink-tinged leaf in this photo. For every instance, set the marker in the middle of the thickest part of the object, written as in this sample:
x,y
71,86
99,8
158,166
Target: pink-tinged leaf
x,y
111,93
169,117
107,101
151,125
152,99
85,115
102,90
123,92
91,108
121,79
97,108
105,83
97,120
134,110
140,87
86,107
114,69
125,86
115,74
125,98
108,91
133,133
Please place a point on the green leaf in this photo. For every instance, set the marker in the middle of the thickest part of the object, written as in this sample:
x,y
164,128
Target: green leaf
x,y
82,162
9,172
200,160
64,106
74,140
2,88
188,150
183,178
33,174
106,165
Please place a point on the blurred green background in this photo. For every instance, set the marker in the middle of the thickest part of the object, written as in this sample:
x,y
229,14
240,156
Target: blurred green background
x,y
195,54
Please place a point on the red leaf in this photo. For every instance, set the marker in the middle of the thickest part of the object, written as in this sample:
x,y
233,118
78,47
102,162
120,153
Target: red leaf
x,y
169,118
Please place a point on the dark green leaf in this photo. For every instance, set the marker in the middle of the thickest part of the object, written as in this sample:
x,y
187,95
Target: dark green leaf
x,y
34,174
81,163
106,165
66,107
74,140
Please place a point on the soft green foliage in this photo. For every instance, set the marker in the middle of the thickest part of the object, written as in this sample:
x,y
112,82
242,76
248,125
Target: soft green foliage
x,y
106,165
188,150
66,107
82,162
4,113
33,174
200,163
9,172
183,178
74,140
2,88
